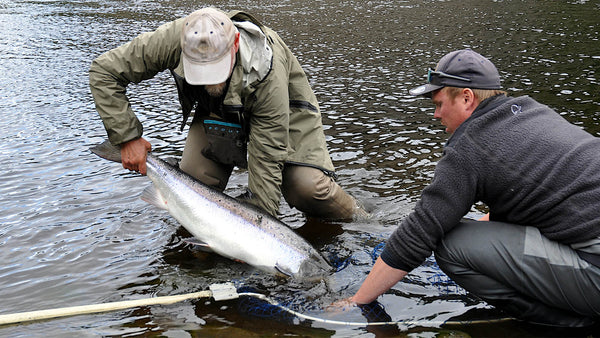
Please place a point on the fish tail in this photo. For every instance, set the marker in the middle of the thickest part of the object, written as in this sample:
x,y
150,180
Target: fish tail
x,y
107,151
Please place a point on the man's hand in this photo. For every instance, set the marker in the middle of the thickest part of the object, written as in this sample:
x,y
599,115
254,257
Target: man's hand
x,y
341,305
133,154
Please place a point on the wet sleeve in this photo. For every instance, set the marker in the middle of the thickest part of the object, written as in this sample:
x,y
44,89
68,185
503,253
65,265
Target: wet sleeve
x,y
138,60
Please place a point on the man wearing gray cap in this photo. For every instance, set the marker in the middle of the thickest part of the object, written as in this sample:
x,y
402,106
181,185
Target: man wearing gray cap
x,y
253,108
538,256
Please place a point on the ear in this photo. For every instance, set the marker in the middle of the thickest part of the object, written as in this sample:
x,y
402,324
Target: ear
x,y
236,43
469,99
467,95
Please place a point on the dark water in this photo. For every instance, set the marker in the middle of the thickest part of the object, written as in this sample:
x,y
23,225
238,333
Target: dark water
x,y
73,231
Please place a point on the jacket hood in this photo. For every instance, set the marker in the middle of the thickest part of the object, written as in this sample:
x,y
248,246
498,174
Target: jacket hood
x,y
255,53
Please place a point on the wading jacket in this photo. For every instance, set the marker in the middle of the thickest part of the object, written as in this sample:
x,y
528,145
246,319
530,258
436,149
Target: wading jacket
x,y
268,88
527,163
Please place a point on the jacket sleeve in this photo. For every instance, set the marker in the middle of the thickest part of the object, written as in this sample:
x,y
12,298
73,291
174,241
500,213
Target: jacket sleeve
x,y
442,205
138,60
269,136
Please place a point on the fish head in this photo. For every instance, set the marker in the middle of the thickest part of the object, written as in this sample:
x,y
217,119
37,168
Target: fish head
x,y
314,269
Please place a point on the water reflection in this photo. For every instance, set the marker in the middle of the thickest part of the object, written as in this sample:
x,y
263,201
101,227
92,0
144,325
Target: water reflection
x,y
74,232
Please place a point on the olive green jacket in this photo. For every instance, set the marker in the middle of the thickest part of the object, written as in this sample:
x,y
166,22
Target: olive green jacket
x,y
283,116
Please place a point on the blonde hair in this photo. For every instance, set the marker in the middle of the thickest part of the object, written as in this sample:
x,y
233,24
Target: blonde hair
x,y
480,94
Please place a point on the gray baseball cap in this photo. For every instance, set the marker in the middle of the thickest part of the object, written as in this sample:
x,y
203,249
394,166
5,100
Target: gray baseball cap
x,y
463,69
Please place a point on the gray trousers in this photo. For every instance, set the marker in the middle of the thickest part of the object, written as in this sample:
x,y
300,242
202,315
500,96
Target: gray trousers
x,y
307,189
520,271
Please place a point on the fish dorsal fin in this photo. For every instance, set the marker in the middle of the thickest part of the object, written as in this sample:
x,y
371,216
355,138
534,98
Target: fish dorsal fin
x,y
282,270
153,196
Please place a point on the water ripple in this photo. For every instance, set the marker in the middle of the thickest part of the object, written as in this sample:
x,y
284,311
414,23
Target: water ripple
x,y
75,232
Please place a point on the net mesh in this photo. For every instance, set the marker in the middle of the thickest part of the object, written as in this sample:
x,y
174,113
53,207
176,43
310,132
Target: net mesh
x,y
373,312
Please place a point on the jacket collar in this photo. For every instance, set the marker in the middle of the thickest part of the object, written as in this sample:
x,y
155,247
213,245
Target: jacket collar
x,y
485,106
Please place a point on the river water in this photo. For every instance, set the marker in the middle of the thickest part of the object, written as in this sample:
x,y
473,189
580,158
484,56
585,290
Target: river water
x,y
74,232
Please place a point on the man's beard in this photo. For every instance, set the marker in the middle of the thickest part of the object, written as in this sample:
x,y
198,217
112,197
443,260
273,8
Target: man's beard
x,y
215,90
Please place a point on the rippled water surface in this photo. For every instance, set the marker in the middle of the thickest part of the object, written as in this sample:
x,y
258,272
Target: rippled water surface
x,y
74,232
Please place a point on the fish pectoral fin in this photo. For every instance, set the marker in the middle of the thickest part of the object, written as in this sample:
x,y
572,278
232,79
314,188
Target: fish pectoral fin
x,y
282,270
153,196
198,244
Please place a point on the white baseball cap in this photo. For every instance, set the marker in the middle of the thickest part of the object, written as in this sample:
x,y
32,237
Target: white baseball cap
x,y
207,40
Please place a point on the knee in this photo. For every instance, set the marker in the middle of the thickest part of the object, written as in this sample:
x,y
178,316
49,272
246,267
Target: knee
x,y
445,257
316,194
454,249
304,184
481,246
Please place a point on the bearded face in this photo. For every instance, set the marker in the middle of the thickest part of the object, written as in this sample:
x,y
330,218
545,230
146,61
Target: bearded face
x,y
215,90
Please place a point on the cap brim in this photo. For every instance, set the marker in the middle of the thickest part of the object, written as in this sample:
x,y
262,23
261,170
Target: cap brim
x,y
424,90
207,73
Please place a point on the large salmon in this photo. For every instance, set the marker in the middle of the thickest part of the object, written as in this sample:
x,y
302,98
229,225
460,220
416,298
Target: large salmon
x,y
227,226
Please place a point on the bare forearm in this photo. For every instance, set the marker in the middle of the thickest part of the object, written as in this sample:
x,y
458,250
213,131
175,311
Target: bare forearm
x,y
381,278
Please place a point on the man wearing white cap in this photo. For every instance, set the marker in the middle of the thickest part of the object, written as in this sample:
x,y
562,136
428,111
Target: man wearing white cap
x,y
538,258
253,108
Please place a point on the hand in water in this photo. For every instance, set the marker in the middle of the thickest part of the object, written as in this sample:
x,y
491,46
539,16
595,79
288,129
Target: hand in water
x,y
341,305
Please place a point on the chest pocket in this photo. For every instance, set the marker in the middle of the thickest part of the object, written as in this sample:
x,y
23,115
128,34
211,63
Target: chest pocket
x,y
226,143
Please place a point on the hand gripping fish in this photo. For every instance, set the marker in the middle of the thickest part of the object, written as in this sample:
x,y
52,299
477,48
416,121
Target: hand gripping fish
x,y
231,228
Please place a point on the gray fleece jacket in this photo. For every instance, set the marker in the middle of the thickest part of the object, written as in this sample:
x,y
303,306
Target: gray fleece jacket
x,y
525,162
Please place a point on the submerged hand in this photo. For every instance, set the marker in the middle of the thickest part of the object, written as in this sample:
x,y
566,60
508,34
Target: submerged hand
x,y
374,312
341,305
133,154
